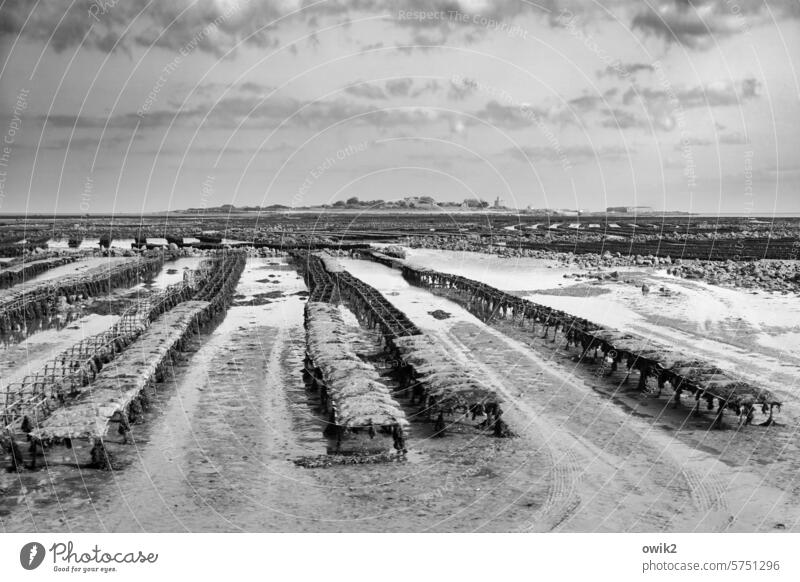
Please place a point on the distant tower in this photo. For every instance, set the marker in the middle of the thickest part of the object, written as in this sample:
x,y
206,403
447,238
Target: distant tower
x,y
497,202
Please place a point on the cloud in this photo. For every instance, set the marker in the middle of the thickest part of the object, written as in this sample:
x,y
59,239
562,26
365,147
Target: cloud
x,y
460,89
586,103
399,87
255,112
623,70
248,105
720,93
224,23
217,25
204,24
621,119
366,91
506,116
430,86
511,115
371,47
701,23
87,142
664,105
256,88
682,22
403,87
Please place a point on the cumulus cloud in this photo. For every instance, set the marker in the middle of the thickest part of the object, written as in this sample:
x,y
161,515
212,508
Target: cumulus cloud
x,y
174,24
226,22
205,24
700,23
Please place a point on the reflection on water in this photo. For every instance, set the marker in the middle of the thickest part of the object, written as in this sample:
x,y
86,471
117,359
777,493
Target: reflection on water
x,y
55,322
171,272
29,354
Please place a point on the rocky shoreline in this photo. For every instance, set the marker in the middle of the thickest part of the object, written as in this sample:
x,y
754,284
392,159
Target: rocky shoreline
x,y
781,276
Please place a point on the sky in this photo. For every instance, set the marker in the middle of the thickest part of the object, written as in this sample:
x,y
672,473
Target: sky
x,y
132,106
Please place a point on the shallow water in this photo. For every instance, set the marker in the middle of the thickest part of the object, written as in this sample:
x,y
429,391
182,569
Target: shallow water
x,y
76,268
80,313
217,453
508,274
171,272
28,356
415,302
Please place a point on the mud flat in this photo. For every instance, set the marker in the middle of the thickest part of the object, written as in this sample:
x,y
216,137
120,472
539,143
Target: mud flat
x,y
678,369
752,334
223,431
609,459
60,384
35,349
224,428
62,377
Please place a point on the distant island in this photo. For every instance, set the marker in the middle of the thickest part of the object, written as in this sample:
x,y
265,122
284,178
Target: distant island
x,y
425,203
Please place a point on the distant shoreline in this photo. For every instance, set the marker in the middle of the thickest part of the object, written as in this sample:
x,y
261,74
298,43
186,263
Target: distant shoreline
x,y
405,211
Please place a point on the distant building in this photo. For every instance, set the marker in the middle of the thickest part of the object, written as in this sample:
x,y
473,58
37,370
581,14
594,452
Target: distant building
x,y
629,209
498,203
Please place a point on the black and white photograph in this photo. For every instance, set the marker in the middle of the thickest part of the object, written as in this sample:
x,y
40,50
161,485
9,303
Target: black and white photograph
x,y
500,267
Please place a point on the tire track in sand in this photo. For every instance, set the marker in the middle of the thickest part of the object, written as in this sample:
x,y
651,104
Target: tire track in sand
x,y
574,459
563,479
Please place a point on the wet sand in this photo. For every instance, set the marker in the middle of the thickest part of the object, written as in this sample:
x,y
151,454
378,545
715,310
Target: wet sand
x,y
751,333
616,459
217,451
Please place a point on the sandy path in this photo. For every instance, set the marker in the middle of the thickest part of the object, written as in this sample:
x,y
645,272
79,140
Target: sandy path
x,y
607,470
